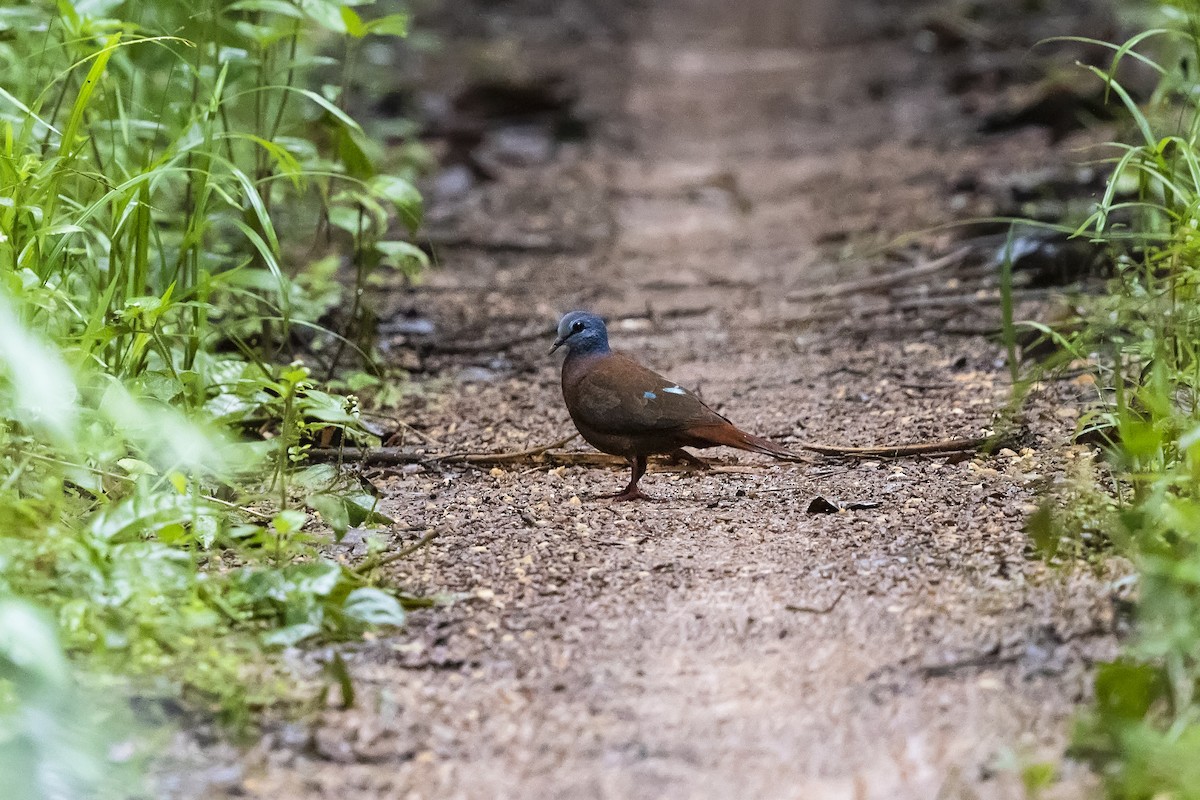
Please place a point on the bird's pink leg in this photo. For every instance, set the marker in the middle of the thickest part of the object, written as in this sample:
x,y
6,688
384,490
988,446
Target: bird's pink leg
x,y
632,492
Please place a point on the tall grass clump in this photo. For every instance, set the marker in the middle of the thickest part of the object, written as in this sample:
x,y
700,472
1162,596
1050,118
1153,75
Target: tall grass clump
x,y
178,195
1142,339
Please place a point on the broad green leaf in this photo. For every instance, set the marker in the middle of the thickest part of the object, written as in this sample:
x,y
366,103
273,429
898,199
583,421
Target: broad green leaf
x,y
320,579
288,521
318,477
353,22
362,510
391,25
333,511
353,151
136,467
143,514
1125,690
404,256
373,607
403,195
291,635
326,13
280,7
326,408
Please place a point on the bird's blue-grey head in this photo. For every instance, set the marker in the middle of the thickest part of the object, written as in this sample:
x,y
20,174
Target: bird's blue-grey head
x,y
582,333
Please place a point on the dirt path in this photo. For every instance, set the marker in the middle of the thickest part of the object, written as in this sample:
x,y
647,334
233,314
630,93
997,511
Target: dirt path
x,y
669,650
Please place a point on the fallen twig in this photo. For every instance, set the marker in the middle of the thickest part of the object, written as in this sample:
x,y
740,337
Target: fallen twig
x,y
982,298
518,455
987,660
902,450
814,609
878,282
541,456
547,332
369,456
392,456
424,437
495,346
875,307
382,561
515,243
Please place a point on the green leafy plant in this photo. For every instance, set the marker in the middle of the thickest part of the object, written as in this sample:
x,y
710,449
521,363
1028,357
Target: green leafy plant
x,y
176,189
1142,343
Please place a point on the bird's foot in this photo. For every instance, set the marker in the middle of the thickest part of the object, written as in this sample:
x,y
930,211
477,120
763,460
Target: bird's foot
x,y
628,493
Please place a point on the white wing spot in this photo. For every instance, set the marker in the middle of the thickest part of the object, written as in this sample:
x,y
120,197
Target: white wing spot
x,y
675,390
649,395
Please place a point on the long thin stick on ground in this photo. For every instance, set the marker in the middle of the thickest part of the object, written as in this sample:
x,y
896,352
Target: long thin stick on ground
x,y
816,610
391,456
878,282
382,561
902,450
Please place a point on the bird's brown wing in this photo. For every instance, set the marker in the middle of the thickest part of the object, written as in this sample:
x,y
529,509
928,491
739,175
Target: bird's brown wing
x,y
620,396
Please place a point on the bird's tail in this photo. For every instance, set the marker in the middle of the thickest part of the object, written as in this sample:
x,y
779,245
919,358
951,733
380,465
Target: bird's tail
x,y
732,436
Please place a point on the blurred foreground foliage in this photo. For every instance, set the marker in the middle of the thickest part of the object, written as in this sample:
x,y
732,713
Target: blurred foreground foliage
x,y
1142,343
178,191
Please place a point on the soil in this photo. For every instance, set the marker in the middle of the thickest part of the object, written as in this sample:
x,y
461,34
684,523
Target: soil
x,y
737,160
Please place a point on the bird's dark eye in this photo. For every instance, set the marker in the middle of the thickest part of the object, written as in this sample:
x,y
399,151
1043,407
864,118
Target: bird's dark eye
x,y
577,327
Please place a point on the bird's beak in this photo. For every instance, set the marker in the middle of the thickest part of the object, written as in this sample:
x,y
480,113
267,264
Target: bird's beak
x,y
559,342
